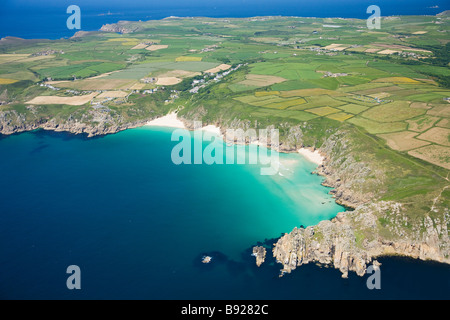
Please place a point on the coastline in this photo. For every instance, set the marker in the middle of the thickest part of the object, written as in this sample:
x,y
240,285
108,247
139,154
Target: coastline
x,y
312,155
337,246
170,120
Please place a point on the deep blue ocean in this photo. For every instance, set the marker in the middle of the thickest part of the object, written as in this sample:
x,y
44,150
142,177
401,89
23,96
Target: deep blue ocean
x,y
138,225
47,19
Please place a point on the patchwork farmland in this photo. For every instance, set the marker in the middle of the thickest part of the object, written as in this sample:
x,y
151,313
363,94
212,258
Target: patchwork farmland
x,y
293,70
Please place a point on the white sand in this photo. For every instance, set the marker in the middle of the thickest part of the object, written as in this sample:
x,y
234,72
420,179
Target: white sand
x,y
212,129
313,156
170,120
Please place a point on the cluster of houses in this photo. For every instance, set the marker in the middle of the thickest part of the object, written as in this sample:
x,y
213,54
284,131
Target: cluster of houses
x,y
410,55
210,48
201,83
334,75
46,53
321,51
49,86
148,80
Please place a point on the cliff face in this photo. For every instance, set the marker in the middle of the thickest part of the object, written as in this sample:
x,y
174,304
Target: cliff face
x,y
353,239
92,123
123,27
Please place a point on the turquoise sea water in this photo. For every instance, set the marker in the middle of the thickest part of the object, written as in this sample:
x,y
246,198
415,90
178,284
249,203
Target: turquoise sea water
x,y
137,225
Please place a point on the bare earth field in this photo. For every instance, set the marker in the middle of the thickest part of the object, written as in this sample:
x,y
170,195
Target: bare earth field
x,y
167,81
403,141
422,124
179,73
112,94
437,135
72,101
438,155
155,47
99,84
222,67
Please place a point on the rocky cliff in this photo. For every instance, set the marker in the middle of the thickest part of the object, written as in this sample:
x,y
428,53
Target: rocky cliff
x,y
93,122
352,240
123,27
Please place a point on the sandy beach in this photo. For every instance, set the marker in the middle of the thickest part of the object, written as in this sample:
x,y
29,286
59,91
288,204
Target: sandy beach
x,y
169,120
212,130
313,156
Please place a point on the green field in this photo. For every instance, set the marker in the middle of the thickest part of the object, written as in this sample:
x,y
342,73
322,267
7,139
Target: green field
x,y
282,73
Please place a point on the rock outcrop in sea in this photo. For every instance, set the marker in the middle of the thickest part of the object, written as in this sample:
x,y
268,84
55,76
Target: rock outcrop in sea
x,y
259,252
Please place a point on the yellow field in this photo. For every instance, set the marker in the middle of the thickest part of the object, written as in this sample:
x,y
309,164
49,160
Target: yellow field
x,y
340,116
285,104
7,81
130,43
184,59
324,111
397,80
121,39
308,93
